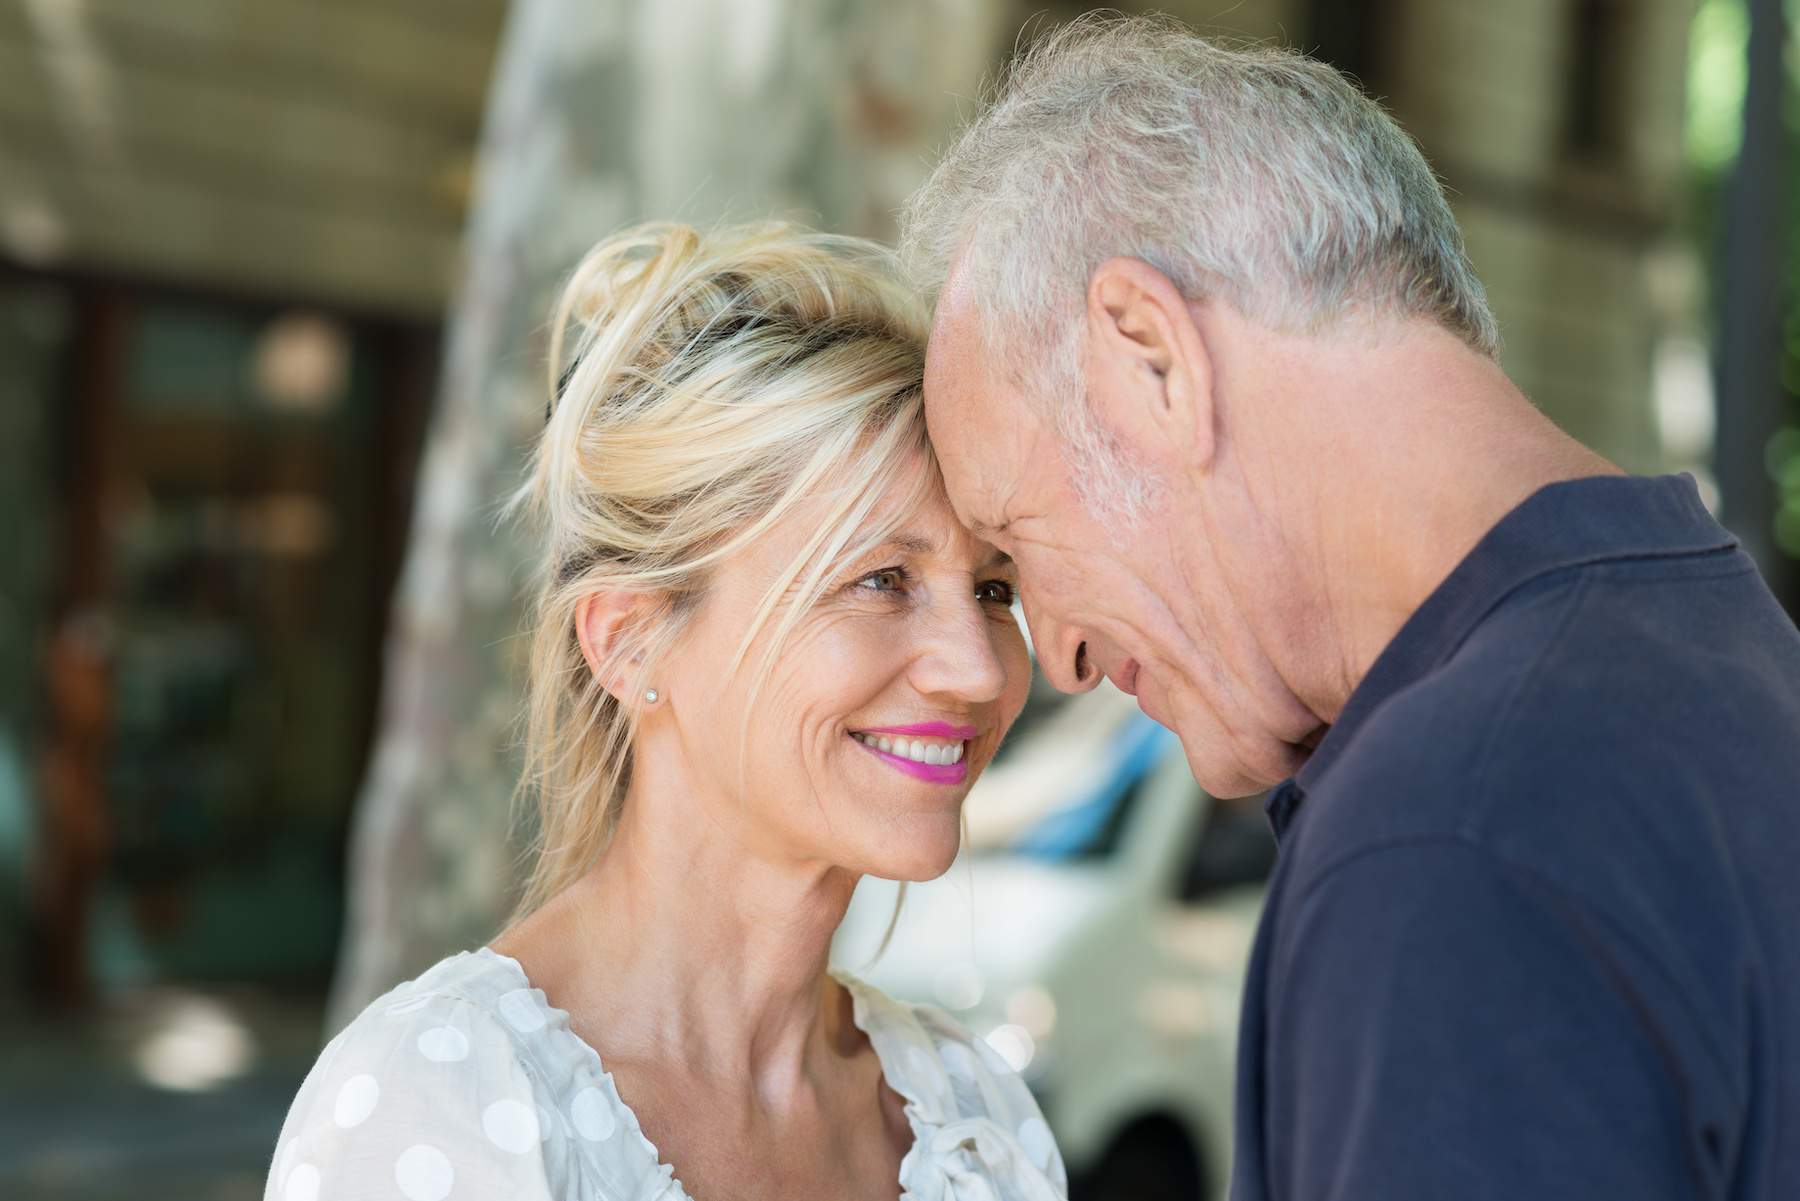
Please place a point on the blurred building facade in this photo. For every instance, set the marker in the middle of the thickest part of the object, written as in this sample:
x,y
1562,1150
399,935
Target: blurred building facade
x,y
228,229
227,234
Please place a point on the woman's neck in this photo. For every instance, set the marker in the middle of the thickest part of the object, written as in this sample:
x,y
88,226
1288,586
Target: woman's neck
x,y
685,951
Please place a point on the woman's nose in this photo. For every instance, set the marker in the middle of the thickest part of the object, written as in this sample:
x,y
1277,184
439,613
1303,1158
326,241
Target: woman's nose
x,y
959,657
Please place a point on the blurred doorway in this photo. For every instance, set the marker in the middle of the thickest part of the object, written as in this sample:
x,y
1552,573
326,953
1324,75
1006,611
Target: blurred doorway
x,y
229,499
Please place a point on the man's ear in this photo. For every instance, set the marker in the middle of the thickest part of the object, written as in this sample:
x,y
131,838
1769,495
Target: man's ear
x,y
605,624
1150,372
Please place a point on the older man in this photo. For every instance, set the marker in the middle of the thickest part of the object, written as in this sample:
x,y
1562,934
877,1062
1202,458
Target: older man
x,y
1210,364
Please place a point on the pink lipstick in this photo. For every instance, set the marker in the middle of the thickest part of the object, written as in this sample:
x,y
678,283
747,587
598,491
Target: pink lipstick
x,y
938,731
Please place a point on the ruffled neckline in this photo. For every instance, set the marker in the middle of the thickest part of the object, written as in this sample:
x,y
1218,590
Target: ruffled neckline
x,y
911,1064
864,1001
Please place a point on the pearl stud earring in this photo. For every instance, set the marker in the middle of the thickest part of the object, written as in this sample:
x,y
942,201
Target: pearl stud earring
x,y
651,696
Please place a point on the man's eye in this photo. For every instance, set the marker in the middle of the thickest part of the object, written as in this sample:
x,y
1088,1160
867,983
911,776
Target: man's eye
x,y
997,592
883,581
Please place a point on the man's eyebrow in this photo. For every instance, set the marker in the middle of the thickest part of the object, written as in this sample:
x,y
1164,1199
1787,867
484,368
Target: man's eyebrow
x,y
999,558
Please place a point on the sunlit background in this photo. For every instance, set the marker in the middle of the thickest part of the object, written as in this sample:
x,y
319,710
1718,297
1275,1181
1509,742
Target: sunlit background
x,y
273,276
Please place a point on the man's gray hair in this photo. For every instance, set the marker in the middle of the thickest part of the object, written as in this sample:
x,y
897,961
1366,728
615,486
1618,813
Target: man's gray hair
x,y
1255,175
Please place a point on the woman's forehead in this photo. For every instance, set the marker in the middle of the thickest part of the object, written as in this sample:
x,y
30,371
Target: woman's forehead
x,y
929,530
911,518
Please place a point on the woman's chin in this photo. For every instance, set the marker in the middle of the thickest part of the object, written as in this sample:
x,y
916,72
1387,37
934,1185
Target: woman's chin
x,y
916,864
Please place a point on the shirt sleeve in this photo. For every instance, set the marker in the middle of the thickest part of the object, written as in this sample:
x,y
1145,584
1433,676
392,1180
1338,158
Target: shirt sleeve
x,y
1447,1027
423,1100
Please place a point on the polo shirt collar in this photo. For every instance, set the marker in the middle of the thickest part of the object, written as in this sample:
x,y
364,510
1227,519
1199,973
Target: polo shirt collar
x,y
1562,525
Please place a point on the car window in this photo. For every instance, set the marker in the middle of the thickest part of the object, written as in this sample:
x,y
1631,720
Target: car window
x,y
1234,846
1091,827
1089,831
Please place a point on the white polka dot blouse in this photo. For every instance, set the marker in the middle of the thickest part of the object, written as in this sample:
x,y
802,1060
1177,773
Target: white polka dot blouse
x,y
465,1083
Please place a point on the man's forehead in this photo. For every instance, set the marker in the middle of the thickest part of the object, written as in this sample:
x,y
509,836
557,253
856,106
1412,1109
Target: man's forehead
x,y
981,428
957,297
958,364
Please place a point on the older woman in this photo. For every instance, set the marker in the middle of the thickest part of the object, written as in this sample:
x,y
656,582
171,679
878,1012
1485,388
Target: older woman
x,y
768,660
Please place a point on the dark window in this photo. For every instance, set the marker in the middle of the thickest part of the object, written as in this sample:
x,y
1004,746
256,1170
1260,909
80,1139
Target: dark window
x,y
230,514
1595,85
1350,35
1234,847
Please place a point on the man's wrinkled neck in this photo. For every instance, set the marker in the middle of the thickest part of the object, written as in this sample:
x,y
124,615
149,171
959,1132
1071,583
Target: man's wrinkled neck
x,y
1353,476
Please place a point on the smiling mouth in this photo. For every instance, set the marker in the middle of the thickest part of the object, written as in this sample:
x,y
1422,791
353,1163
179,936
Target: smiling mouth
x,y
932,752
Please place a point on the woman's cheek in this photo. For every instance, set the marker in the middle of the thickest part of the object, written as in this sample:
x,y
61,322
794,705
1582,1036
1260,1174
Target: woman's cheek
x,y
1017,658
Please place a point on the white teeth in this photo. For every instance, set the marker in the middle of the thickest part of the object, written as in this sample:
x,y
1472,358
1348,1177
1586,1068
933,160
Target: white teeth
x,y
916,749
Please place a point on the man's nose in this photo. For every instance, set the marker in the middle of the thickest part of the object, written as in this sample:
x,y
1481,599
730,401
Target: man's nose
x,y
1061,651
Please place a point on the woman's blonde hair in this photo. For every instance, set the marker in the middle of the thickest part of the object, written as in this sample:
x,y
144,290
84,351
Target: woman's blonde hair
x,y
714,384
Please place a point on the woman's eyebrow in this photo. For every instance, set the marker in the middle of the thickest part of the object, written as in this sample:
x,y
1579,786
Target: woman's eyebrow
x,y
911,544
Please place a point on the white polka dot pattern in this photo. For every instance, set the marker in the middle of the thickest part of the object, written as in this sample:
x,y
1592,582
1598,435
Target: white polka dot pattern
x,y
302,1184
356,1101
511,1125
466,1084
444,1044
520,1009
424,1174
991,1057
286,1162
958,1061
592,1116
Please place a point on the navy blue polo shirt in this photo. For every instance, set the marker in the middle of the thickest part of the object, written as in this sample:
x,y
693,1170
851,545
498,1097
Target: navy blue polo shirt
x,y
1534,933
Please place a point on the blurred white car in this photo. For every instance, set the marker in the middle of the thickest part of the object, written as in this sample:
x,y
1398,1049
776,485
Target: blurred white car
x,y
1097,938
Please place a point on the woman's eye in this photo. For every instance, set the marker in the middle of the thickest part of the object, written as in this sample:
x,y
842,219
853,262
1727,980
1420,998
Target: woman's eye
x,y
997,592
883,581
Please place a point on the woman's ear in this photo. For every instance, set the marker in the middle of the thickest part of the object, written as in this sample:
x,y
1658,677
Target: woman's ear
x,y
605,624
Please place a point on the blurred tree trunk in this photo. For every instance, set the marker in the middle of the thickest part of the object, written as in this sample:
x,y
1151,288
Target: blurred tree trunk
x,y
602,112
